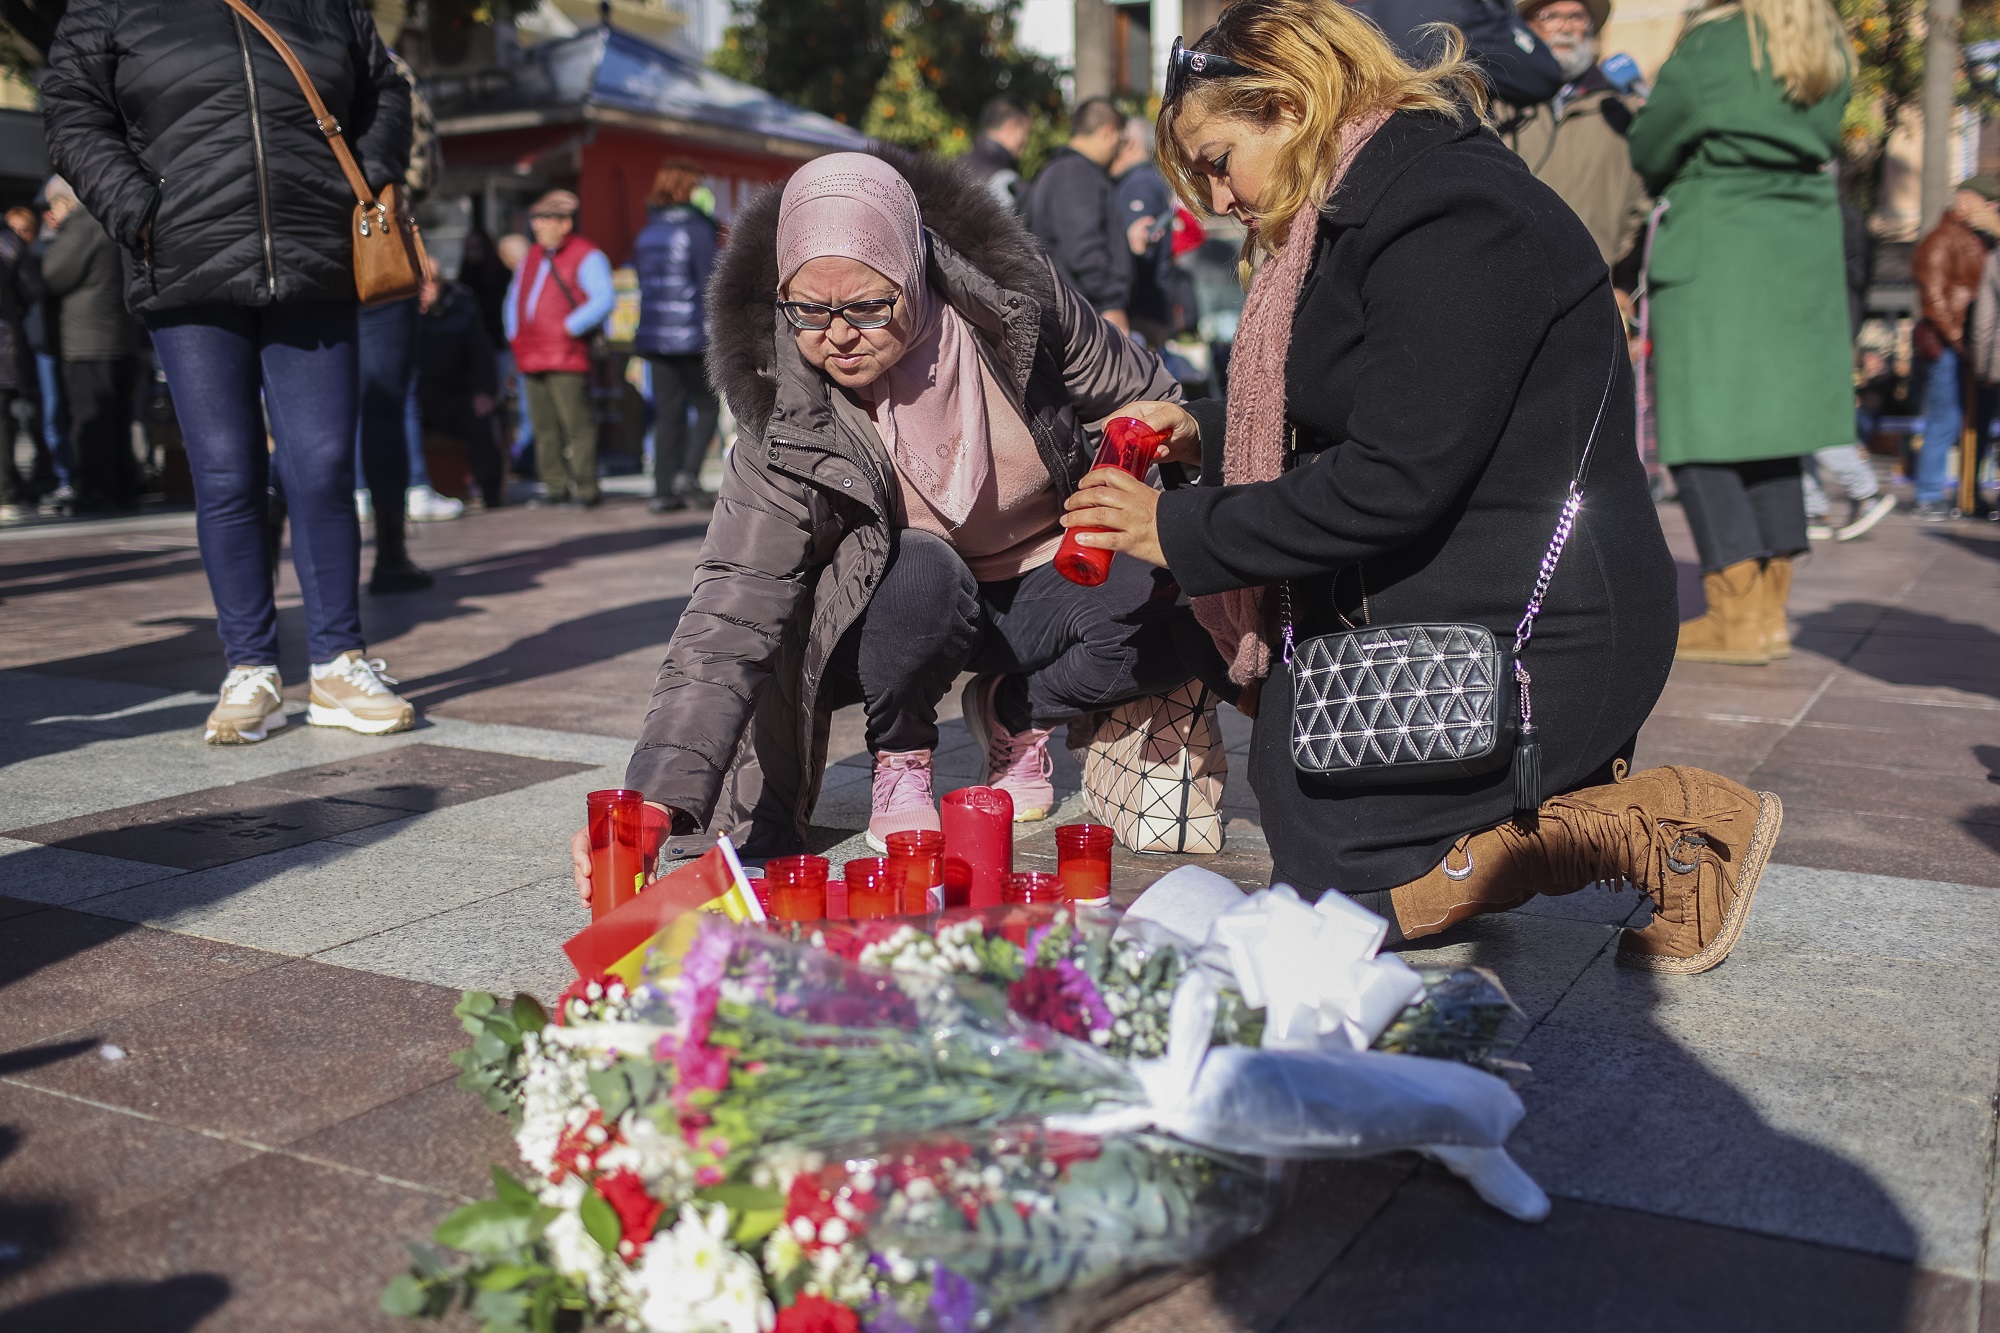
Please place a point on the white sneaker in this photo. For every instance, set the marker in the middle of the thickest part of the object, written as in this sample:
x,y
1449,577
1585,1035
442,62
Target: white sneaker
x,y
1818,531
251,707
364,506
1867,514
424,505
353,692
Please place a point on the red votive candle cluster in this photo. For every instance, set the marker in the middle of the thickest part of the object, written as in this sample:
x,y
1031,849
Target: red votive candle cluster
x,y
1130,445
1083,862
916,868
1033,886
871,894
979,830
798,887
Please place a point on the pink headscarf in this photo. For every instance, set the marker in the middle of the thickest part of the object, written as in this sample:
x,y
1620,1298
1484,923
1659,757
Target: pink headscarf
x,y
930,406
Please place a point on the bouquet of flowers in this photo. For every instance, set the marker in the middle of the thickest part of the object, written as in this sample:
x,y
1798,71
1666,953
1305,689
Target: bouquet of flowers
x,y
939,1124
767,1135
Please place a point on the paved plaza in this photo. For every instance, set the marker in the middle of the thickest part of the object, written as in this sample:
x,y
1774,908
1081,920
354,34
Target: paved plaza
x,y
226,975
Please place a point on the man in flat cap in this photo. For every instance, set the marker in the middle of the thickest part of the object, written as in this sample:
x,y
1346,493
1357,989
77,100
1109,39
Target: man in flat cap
x,y
1575,142
561,294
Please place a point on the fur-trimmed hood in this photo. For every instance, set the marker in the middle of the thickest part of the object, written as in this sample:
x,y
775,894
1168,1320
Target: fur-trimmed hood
x,y
960,214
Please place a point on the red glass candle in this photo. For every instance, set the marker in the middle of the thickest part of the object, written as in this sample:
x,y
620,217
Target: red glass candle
x,y
916,868
617,847
836,900
1131,446
871,893
1033,886
1083,862
798,887
761,889
979,830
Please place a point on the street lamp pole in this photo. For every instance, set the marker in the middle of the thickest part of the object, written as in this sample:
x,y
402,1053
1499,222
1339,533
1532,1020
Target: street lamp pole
x,y
1941,56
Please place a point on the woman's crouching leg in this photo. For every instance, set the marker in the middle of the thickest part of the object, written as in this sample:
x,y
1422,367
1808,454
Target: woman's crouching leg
x,y
1694,842
911,642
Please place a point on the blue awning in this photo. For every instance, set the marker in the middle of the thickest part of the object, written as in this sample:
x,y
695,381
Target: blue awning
x,y
613,77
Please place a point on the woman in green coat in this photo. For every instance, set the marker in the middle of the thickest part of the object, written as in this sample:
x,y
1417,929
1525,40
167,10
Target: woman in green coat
x,y
1749,302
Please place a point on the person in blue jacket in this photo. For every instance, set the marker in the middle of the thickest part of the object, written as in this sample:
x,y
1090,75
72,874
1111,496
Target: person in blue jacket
x,y
1518,66
673,255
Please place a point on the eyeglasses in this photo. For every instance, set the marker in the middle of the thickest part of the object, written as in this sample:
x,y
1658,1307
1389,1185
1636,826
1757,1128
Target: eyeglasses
x,y
1185,65
874,313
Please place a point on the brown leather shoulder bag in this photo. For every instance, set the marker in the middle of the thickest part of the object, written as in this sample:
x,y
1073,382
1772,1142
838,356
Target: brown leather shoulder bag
x,y
389,259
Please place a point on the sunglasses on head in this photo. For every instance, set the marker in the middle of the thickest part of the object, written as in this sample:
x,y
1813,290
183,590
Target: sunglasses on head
x,y
1186,65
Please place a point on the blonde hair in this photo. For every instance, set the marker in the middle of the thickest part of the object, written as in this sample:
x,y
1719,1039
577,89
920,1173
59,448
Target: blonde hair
x,y
1801,42
1324,64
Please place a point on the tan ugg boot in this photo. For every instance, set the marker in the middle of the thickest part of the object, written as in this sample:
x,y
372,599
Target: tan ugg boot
x,y
1693,841
1774,589
1730,631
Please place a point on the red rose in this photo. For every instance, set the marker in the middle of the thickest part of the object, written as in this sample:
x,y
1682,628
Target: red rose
x,y
817,1314
638,1212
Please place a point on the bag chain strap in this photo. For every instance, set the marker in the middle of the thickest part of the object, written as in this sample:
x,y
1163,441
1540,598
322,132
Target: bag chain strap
x,y
1565,525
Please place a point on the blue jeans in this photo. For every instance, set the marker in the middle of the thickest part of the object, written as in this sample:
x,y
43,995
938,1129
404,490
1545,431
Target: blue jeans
x,y
228,366
388,371
1944,417
55,416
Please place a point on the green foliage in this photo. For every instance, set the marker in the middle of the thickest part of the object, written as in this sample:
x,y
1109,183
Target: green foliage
x,y
502,1275
1888,37
911,72
493,1067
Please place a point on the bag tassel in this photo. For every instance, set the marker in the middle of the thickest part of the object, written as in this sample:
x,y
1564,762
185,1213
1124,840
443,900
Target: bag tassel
x,y
1527,759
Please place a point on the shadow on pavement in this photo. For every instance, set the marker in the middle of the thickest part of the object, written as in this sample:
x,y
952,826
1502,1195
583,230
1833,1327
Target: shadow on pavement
x,y
173,1305
1675,1200
1904,647
597,637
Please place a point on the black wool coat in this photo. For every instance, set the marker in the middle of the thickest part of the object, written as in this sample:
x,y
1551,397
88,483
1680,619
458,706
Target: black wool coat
x,y
1451,347
184,133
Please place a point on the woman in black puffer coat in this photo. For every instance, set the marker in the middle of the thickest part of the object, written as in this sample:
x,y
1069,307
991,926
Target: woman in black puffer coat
x,y
187,137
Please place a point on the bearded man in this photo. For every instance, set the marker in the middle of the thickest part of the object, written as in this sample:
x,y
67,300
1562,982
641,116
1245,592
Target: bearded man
x,y
1575,142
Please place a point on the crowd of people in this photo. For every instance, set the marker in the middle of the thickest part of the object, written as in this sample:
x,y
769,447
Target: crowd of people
x,y
919,355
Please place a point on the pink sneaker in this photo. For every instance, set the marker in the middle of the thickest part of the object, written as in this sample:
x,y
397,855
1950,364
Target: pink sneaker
x,y
902,799
1018,765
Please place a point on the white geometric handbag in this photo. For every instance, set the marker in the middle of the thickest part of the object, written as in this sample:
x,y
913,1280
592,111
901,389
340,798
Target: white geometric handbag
x,y
1153,769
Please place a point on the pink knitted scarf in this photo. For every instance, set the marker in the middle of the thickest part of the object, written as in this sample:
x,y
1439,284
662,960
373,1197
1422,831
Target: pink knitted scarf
x,y
1256,411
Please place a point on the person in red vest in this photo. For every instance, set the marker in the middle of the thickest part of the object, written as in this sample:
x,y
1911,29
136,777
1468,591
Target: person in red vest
x,y
560,295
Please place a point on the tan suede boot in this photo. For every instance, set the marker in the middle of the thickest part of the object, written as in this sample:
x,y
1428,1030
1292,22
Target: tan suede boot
x,y
1694,842
1731,630
1775,589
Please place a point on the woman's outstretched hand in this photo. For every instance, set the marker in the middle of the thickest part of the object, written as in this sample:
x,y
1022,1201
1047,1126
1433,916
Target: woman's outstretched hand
x,y
1183,436
1124,506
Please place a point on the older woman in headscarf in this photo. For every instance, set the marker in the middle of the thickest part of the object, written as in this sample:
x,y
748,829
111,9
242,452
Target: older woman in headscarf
x,y
915,390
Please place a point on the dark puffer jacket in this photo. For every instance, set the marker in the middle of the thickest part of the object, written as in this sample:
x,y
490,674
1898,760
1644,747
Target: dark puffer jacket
x,y
674,255
187,137
800,533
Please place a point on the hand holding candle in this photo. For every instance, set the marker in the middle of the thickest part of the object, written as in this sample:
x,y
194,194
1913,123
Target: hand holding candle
x,y
1130,446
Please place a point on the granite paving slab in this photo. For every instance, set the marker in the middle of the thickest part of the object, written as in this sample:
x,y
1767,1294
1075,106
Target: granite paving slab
x,y
270,1057
1436,1259
200,830
1538,959
32,872
440,1137
509,942
1780,1147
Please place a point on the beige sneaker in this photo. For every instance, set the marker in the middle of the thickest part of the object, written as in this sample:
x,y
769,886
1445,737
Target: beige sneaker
x,y
353,692
250,708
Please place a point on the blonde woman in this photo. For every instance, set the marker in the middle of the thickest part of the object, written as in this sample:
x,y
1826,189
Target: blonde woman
x,y
1425,348
1749,298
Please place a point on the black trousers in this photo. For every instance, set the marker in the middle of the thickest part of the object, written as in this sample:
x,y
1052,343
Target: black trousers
x,y
677,450
13,490
100,423
1743,511
1064,649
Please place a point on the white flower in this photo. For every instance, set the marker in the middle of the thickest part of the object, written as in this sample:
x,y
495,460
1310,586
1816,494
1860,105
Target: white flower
x,y
692,1281
571,1250
660,1159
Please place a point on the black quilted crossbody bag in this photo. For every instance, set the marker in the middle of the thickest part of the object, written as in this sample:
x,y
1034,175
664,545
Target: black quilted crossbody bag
x,y
1385,705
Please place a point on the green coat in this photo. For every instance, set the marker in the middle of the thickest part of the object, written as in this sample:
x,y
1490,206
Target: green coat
x,y
1752,357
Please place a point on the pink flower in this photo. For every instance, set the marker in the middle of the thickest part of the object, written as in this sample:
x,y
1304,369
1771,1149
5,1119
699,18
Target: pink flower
x,y
710,1175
